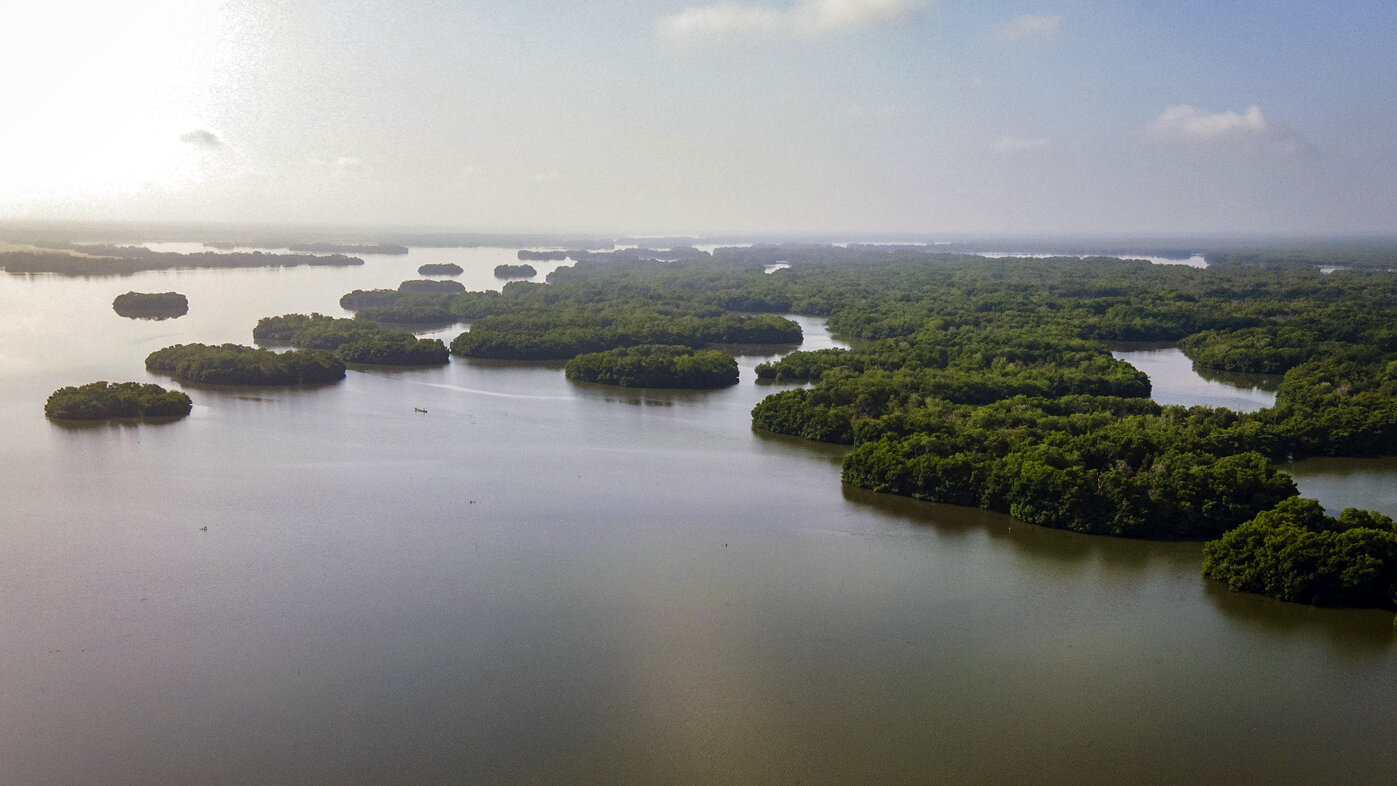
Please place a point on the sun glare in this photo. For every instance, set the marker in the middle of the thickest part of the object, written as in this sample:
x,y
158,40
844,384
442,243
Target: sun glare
x,y
99,95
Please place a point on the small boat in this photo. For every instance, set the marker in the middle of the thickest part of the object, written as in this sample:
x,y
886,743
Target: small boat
x,y
419,409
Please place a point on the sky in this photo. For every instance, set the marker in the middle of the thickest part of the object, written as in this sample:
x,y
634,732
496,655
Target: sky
x,y
860,116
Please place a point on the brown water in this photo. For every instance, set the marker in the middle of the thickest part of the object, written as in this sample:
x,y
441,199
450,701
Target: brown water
x,y
540,582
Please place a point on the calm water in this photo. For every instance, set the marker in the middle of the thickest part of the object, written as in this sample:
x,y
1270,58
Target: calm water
x,y
1174,380
542,582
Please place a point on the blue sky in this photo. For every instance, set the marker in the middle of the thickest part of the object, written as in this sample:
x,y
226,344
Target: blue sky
x,y
1079,116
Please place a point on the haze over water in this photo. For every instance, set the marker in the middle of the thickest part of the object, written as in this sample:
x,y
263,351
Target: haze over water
x,y
537,581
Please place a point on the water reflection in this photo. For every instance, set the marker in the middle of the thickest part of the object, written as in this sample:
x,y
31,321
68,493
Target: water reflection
x,y
1354,635
1175,380
1064,548
113,424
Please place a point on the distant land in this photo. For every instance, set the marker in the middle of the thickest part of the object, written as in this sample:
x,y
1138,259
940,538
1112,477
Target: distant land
x,y
111,260
1320,249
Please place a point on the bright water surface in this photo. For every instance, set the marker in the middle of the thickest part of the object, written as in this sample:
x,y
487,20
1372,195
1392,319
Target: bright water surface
x,y
543,582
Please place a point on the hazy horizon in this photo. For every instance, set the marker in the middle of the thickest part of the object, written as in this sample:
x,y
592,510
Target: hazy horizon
x,y
788,118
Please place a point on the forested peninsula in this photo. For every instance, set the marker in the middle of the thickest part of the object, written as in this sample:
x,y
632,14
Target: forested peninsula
x,y
234,364
107,401
989,382
151,305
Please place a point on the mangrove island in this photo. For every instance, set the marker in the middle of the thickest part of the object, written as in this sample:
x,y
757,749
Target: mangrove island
x,y
235,364
107,401
151,305
655,366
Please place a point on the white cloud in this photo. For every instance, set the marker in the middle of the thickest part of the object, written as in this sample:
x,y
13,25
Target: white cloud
x,y
806,18
203,138
1029,26
1186,123
1018,144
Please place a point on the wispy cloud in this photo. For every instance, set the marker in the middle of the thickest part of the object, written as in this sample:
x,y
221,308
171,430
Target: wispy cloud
x,y
348,165
1019,144
203,138
1029,26
807,18
1186,123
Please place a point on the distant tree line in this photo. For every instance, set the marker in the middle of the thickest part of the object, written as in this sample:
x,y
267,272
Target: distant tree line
x,y
79,260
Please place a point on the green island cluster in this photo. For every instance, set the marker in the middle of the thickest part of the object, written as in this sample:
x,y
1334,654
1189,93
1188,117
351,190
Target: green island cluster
x,y
989,382
105,401
352,340
565,317
151,305
655,366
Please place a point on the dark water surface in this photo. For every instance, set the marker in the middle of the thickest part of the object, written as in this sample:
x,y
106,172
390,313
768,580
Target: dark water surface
x,y
542,582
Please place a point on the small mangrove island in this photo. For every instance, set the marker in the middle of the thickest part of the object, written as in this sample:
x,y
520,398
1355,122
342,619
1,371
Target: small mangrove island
x,y
656,366
440,269
108,401
235,364
151,305
515,271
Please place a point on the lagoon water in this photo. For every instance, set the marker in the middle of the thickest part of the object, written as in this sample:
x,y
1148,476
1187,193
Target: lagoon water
x,y
543,582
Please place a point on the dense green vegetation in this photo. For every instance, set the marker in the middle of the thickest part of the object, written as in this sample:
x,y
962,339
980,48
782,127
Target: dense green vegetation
x,y
440,269
392,348
984,383
427,286
416,302
564,333
656,366
515,271
1373,256
620,306
151,305
233,364
1297,553
352,340
310,331
102,401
